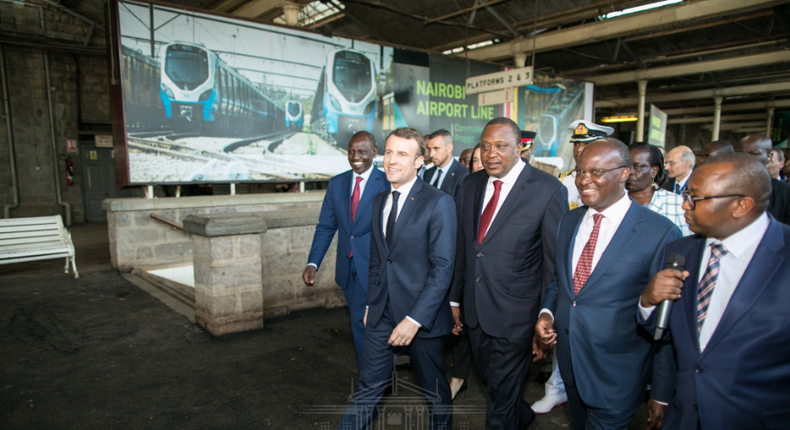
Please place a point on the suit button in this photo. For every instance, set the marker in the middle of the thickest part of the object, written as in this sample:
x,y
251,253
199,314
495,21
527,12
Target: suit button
x,y
574,303
700,369
479,279
479,254
566,331
352,237
389,261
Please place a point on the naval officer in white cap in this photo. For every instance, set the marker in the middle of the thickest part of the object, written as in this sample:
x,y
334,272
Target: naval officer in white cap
x,y
584,132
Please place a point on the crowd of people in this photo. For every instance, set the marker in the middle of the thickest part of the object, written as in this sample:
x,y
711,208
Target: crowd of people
x,y
522,263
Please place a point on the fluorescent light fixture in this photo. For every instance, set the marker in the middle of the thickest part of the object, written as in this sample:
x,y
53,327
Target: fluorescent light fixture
x,y
623,118
637,9
470,47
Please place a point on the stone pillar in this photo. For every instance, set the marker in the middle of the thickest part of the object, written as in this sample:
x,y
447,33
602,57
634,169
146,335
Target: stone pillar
x,y
519,60
769,122
640,123
227,264
716,118
291,11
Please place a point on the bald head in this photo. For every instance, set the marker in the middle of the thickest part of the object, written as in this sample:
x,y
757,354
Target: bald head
x,y
756,145
717,147
679,162
737,187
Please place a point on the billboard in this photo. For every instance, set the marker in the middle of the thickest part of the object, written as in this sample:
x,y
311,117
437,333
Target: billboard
x,y
200,98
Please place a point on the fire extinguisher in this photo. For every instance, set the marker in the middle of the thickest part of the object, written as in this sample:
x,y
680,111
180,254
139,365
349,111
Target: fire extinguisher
x,y
69,172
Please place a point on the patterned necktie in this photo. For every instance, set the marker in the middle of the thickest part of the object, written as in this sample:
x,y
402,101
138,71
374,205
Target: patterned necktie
x,y
354,206
392,218
438,177
584,265
488,213
705,289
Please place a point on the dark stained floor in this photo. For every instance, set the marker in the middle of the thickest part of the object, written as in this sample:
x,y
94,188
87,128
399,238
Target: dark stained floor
x,y
99,353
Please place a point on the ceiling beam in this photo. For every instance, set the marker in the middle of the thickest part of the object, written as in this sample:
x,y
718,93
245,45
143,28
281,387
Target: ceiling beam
x,y
693,68
737,125
732,107
709,119
685,12
699,94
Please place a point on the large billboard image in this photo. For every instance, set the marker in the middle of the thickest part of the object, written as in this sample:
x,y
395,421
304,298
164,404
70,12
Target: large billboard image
x,y
208,98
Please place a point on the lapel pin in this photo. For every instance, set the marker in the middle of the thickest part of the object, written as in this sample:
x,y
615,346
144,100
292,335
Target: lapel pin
x,y
452,174
412,198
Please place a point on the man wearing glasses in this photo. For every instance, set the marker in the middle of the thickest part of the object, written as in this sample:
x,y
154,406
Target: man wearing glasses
x,y
729,326
759,147
679,165
607,251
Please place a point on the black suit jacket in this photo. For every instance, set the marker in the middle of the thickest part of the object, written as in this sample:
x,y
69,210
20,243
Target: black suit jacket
x,y
451,184
779,205
415,273
500,283
669,185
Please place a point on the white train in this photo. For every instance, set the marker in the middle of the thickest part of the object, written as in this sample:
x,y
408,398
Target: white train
x,y
202,93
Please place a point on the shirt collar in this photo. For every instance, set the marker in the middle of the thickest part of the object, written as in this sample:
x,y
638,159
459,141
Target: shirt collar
x,y
614,213
746,238
404,189
682,183
365,175
512,175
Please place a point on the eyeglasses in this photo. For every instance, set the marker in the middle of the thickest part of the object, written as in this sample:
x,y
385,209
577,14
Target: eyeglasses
x,y
596,173
692,200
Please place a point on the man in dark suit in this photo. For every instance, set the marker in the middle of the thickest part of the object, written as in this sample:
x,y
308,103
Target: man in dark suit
x,y
346,210
759,147
607,251
508,216
411,266
679,164
446,173
730,325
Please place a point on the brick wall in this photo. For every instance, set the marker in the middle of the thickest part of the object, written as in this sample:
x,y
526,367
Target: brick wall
x,y
29,109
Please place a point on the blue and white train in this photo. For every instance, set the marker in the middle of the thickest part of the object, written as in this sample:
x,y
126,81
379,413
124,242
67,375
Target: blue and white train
x,y
294,115
345,99
202,93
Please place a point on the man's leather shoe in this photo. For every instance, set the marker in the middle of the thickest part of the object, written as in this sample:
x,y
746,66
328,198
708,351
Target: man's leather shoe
x,y
547,403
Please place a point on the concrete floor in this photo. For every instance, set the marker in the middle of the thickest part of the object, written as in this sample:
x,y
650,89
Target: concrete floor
x,y
98,352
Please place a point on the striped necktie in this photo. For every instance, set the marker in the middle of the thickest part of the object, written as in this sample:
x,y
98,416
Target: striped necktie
x,y
708,282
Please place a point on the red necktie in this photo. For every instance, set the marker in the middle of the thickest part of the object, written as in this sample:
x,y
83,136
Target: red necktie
x,y
354,205
488,213
584,266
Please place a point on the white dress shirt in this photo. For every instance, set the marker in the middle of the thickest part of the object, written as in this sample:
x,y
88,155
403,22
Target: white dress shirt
x,y
438,184
740,247
682,184
612,218
404,191
508,181
365,176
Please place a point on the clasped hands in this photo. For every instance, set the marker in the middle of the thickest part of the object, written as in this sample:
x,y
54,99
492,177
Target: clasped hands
x,y
545,337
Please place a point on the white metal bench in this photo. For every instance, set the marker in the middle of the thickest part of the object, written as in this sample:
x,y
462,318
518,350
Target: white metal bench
x,y
36,238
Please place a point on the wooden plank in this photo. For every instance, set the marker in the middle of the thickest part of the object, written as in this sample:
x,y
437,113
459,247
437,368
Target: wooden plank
x,y
55,219
24,247
33,257
7,243
4,229
24,234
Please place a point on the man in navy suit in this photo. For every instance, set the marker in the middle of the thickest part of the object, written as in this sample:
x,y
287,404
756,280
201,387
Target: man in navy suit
x,y
446,173
508,215
346,210
730,325
607,251
411,266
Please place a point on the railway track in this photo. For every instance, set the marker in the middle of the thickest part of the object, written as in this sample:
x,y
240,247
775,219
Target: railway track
x,y
163,145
